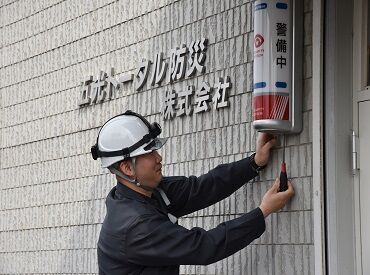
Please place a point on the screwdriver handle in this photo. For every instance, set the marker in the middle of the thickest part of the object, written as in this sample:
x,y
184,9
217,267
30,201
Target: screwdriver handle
x,y
283,178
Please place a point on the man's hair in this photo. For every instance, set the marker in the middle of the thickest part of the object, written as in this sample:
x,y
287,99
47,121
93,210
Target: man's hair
x,y
118,163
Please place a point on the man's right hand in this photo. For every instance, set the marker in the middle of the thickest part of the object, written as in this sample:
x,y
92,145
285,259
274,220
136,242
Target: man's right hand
x,y
273,200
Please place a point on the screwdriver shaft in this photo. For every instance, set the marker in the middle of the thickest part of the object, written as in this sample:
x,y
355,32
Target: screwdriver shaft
x,y
283,174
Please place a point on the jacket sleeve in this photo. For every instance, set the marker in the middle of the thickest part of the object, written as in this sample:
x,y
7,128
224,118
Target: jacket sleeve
x,y
189,194
155,241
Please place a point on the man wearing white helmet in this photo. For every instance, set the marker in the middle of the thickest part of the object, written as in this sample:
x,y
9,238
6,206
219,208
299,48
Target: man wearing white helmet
x,y
140,233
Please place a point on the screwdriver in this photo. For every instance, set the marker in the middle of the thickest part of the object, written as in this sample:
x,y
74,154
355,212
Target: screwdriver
x,y
283,175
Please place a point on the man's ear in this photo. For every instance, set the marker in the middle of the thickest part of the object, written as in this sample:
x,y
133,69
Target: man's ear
x,y
127,168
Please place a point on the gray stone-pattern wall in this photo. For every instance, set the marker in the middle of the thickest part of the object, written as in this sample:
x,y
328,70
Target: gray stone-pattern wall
x,y
52,193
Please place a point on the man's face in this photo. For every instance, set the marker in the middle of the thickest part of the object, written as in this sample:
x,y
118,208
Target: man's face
x,y
149,169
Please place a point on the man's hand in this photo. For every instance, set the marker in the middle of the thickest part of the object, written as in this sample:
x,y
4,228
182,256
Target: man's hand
x,y
264,144
273,200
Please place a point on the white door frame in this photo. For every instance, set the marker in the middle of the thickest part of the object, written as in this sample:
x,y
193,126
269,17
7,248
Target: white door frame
x,y
339,187
317,135
360,93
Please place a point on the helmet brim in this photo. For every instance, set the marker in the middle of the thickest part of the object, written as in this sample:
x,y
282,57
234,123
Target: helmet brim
x,y
155,144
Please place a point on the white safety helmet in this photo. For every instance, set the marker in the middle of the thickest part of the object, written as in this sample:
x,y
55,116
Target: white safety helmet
x,y
125,136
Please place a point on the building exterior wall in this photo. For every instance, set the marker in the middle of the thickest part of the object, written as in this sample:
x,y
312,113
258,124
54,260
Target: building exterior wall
x,y
52,193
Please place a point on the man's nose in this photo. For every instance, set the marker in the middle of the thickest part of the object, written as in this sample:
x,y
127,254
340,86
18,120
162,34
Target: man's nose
x,y
158,156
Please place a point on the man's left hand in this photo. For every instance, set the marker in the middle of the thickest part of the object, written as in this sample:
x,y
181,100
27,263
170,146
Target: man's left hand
x,y
264,144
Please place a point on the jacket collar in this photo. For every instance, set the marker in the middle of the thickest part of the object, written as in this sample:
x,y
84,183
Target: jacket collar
x,y
155,200
127,192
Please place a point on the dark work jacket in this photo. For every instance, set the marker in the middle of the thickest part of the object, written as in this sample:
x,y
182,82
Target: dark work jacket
x,y
137,237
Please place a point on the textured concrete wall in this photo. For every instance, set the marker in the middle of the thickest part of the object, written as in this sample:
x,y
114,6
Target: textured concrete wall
x,y
52,193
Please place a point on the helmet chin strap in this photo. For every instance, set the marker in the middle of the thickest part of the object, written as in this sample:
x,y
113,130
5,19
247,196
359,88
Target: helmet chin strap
x,y
129,179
